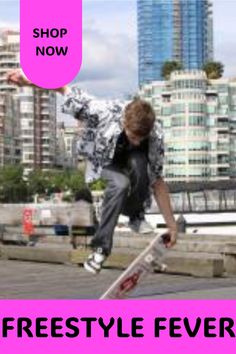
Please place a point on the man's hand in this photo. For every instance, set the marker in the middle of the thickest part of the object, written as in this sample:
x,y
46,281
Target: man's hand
x,y
173,238
63,90
18,78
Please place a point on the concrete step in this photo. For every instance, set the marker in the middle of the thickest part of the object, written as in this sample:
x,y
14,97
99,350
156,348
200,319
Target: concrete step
x,y
207,237
123,238
130,239
118,259
137,243
195,264
205,246
198,265
47,255
230,259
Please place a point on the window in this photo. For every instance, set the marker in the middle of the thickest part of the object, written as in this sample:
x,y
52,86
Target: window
x,y
211,109
197,108
178,122
197,120
179,108
166,111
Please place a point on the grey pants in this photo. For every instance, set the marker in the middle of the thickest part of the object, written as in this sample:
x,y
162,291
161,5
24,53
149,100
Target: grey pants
x,y
127,189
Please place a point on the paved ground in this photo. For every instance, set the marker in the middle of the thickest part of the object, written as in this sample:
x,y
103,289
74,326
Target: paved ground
x,y
26,280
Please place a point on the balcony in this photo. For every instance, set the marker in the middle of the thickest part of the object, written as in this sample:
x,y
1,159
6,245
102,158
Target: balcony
x,y
44,110
211,92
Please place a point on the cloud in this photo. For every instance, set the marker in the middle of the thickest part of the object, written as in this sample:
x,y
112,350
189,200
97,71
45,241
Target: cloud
x,y
226,53
8,25
109,63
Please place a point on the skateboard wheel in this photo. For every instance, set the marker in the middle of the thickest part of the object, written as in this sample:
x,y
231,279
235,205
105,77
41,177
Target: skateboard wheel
x,y
149,258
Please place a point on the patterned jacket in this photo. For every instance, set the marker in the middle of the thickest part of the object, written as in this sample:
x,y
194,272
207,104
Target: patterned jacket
x,y
102,122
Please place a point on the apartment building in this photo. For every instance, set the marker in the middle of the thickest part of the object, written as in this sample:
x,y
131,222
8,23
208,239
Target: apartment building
x,y
199,122
27,115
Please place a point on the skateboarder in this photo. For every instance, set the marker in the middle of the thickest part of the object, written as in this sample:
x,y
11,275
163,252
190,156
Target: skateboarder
x,y
122,143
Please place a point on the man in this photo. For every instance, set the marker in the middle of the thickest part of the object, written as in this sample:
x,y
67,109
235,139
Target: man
x,y
123,143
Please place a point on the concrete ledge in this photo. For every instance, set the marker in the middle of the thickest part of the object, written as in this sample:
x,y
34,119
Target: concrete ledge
x,y
230,264
230,248
230,259
120,260
35,254
48,255
127,239
125,234
207,237
195,264
205,246
199,265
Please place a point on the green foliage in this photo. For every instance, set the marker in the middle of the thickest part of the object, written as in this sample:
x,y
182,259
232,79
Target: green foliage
x,y
13,188
214,70
38,182
68,198
98,185
168,67
76,181
41,182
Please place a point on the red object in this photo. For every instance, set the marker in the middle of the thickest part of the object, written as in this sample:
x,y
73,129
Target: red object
x,y
28,227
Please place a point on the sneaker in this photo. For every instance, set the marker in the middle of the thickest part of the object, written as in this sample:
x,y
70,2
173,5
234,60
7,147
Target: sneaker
x,y
140,226
95,261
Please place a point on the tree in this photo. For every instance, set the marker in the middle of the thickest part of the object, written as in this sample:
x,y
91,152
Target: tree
x,y
214,70
13,188
57,180
38,182
47,182
76,181
168,67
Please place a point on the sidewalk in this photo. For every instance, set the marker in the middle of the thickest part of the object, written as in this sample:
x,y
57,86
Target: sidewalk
x,y
27,280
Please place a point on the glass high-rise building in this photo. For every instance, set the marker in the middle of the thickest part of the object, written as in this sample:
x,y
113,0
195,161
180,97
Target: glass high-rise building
x,y
178,30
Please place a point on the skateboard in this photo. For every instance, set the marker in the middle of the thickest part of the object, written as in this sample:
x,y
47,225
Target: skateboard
x,y
152,256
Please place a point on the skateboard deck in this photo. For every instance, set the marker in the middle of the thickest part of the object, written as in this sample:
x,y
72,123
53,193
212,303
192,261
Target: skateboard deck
x,y
152,256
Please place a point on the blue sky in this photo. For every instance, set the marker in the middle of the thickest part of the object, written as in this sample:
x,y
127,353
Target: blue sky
x,y
109,42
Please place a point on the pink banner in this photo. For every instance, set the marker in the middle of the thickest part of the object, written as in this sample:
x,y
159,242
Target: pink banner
x,y
104,327
51,41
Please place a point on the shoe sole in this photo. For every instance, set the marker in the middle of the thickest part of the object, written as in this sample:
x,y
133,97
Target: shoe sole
x,y
146,232
142,232
90,269
137,231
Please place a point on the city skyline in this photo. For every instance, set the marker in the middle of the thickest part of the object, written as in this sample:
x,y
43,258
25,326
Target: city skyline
x,y
110,31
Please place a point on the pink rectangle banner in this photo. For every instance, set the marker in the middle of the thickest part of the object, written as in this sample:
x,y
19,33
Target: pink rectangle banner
x,y
131,326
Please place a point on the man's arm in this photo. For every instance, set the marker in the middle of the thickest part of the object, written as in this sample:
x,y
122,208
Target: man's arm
x,y
75,102
162,197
